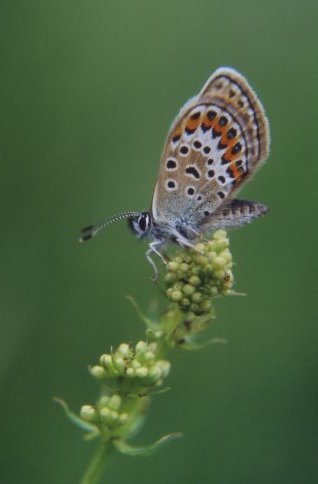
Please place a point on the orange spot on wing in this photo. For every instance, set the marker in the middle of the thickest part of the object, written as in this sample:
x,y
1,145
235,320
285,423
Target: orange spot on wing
x,y
176,136
209,123
229,143
192,124
235,171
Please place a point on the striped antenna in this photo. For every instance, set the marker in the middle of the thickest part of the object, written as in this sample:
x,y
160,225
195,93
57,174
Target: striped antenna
x,y
90,231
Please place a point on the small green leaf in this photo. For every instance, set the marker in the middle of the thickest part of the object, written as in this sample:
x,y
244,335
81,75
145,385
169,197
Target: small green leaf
x,y
159,392
149,393
193,346
134,426
92,435
148,322
144,450
234,293
88,427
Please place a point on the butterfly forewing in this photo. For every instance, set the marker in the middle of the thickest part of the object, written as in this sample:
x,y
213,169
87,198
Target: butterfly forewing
x,y
216,142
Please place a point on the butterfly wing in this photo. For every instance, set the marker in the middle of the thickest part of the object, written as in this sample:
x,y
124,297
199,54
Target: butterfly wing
x,y
217,141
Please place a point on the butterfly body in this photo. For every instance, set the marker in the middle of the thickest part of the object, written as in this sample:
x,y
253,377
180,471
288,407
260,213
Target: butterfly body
x,y
216,143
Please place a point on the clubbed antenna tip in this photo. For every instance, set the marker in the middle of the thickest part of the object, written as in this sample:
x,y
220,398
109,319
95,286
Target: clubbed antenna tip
x,y
90,231
86,233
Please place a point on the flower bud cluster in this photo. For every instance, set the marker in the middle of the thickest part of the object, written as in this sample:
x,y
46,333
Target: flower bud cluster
x,y
138,364
197,275
107,414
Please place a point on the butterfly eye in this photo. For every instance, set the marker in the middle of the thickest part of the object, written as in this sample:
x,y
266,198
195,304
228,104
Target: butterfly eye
x,y
140,224
143,222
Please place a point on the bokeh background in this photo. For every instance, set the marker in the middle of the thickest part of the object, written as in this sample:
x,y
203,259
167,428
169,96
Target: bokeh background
x,y
88,91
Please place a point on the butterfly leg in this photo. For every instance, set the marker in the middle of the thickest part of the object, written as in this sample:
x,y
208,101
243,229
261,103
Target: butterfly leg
x,y
185,243
199,235
153,247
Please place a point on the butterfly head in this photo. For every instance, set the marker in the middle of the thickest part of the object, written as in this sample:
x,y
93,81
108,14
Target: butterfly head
x,y
140,224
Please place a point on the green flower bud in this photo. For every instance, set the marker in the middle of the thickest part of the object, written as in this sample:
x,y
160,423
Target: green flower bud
x,y
106,361
219,262
191,316
114,402
124,350
170,277
212,256
195,271
219,274
149,356
104,414
153,346
176,296
141,372
195,308
214,291
119,363
219,235
200,248
123,418
98,372
103,401
185,302
164,367
197,297
194,281
155,373
173,266
184,267
188,290
104,358
88,413
135,364
108,416
226,254
201,260
205,306
141,347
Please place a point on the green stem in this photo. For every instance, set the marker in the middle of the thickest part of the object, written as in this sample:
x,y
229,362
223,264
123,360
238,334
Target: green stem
x,y
95,469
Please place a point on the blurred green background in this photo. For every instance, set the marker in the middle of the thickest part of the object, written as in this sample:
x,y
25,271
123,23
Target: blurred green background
x,y
88,91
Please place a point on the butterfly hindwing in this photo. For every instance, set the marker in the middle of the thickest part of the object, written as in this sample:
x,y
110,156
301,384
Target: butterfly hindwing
x,y
216,142
234,213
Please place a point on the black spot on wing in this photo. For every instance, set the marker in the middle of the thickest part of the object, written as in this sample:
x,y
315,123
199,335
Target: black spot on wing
x,y
191,170
197,144
171,164
184,150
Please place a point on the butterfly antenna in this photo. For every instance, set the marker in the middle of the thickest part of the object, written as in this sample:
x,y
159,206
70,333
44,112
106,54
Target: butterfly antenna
x,y
90,231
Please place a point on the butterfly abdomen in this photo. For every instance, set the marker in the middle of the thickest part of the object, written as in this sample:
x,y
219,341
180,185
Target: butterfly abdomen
x,y
236,213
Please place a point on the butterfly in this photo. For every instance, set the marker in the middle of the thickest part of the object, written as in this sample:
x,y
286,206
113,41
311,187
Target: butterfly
x,y
215,145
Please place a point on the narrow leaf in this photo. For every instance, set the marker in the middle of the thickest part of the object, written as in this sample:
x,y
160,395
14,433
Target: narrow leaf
x,y
75,419
131,450
193,346
148,322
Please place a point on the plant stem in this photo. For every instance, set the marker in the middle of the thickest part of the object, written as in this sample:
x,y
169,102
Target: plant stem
x,y
95,468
